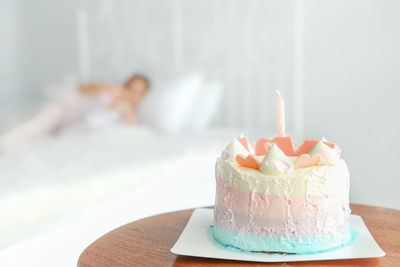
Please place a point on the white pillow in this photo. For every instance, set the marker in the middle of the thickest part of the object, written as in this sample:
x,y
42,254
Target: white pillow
x,y
167,108
207,103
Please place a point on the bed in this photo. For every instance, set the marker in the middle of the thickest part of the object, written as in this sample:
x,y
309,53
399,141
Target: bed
x,y
62,193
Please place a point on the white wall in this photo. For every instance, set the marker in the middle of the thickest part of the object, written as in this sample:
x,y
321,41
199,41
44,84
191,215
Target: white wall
x,y
246,44
38,46
48,45
9,57
352,90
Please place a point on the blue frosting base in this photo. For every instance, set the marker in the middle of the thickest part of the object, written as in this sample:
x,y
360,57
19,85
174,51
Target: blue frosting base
x,y
240,242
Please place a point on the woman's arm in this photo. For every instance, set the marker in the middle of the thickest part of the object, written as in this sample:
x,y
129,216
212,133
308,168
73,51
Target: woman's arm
x,y
96,88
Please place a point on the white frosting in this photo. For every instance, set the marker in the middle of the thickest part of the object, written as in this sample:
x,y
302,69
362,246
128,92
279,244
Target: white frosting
x,y
251,148
328,155
277,175
232,149
275,162
314,180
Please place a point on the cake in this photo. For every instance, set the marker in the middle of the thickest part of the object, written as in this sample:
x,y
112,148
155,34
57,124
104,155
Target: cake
x,y
273,198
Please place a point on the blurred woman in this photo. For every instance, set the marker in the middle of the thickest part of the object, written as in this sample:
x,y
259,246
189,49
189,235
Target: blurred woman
x,y
90,106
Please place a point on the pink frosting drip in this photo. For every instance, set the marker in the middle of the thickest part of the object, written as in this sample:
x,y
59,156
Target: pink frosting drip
x,y
273,215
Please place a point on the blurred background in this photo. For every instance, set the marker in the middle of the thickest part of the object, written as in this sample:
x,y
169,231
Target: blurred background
x,y
213,69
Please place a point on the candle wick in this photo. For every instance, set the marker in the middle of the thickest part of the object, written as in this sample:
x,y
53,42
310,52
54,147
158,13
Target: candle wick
x,y
279,93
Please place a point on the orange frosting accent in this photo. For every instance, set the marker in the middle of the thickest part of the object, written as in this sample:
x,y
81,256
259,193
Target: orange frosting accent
x,y
250,161
285,143
306,160
261,147
306,147
245,142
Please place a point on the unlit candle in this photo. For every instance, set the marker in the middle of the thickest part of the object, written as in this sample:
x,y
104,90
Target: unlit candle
x,y
281,115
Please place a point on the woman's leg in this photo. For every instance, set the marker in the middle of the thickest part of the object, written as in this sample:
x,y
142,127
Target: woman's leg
x,y
44,123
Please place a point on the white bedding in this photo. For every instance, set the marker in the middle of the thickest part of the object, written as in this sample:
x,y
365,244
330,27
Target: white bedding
x,y
67,191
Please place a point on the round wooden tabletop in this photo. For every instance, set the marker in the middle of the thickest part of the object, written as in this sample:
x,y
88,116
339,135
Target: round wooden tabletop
x,y
147,242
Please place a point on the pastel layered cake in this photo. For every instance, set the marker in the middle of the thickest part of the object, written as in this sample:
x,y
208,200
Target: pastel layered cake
x,y
271,197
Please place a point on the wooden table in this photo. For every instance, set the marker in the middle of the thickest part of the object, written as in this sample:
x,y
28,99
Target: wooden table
x,y
147,243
